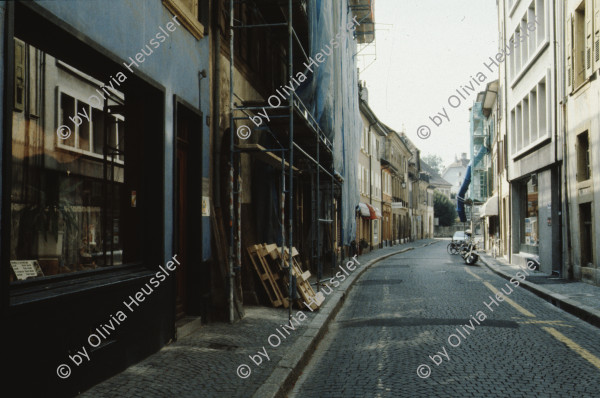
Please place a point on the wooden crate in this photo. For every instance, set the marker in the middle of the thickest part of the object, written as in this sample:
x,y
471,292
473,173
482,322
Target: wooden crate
x,y
269,279
306,291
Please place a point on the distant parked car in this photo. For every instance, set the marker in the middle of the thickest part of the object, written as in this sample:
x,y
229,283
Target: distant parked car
x,y
460,236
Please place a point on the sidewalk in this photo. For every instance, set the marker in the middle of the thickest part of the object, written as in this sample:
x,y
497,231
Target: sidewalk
x,y
211,361
577,298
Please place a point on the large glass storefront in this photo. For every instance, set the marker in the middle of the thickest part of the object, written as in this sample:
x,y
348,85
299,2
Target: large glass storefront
x,y
529,216
72,187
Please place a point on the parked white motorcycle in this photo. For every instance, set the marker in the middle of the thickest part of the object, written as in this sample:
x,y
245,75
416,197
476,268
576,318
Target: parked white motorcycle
x,y
469,253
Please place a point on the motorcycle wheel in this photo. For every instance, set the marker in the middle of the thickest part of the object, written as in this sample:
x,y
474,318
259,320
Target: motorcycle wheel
x,y
471,259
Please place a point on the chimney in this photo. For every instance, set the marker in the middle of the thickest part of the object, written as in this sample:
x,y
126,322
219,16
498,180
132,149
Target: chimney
x,y
463,155
364,92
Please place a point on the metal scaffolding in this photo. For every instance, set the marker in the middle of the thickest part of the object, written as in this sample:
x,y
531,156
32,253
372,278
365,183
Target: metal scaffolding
x,y
315,164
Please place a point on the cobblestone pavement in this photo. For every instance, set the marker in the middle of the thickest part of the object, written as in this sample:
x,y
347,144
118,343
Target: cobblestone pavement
x,y
583,293
408,313
204,364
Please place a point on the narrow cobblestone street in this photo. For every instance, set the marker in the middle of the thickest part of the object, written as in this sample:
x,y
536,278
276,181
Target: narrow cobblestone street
x,y
412,307
204,363
300,198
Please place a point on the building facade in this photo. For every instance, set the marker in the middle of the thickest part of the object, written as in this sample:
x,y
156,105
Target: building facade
x,y
454,173
105,142
528,87
396,162
581,21
374,134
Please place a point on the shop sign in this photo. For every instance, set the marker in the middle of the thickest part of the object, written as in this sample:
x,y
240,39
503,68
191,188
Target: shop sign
x,y
24,269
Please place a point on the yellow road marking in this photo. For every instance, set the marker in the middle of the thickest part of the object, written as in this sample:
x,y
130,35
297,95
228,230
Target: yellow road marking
x,y
509,301
472,274
556,323
594,360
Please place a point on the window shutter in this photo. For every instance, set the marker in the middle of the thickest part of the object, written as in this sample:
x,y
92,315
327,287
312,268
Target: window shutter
x,y
596,27
19,75
569,54
589,38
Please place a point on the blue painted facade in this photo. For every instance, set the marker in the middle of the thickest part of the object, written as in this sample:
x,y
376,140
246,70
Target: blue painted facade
x,y
51,317
123,28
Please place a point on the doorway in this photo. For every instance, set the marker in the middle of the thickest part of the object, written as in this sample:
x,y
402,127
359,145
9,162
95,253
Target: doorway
x,y
585,233
188,209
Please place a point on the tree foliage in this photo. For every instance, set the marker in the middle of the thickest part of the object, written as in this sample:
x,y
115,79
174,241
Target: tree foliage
x,y
435,161
444,209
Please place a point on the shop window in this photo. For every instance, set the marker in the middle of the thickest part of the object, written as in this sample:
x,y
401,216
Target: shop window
x,y
529,216
583,157
73,200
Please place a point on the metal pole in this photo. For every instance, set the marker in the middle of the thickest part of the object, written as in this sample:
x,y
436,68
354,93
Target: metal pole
x,y
231,171
105,217
333,223
314,218
282,208
318,208
291,169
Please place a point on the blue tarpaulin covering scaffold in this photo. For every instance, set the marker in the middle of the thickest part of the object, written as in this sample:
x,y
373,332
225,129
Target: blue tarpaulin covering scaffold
x,y
331,95
460,198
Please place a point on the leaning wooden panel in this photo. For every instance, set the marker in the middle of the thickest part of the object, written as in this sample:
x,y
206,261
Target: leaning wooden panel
x,y
303,286
280,285
267,253
268,280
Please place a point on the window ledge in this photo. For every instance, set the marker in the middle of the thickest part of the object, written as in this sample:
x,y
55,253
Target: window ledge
x,y
513,8
531,147
582,85
187,19
525,68
53,287
89,154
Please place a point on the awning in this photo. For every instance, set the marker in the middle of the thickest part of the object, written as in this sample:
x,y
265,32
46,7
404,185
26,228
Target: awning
x,y
490,208
377,212
368,211
364,210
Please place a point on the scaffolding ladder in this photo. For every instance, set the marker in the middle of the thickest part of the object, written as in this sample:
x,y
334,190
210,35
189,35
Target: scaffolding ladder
x,y
294,103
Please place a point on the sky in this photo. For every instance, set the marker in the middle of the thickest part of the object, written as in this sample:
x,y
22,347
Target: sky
x,y
425,51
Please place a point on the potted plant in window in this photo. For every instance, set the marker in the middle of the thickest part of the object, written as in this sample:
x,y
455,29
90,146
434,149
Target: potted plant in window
x,y
45,222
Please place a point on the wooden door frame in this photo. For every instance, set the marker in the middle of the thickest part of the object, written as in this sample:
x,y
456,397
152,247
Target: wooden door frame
x,y
193,146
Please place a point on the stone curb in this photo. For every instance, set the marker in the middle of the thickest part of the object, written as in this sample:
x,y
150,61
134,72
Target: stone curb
x,y
293,362
584,312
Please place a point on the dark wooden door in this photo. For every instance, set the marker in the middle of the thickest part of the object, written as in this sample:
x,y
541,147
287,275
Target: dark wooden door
x,y
183,226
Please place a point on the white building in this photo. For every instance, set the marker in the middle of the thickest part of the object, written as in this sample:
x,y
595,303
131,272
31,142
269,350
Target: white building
x,y
527,59
581,19
455,173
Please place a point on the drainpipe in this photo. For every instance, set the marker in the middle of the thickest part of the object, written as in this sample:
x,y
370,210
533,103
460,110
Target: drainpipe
x,y
565,97
216,105
214,146
509,232
370,186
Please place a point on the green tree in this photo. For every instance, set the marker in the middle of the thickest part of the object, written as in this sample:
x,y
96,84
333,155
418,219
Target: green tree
x,y
435,161
444,209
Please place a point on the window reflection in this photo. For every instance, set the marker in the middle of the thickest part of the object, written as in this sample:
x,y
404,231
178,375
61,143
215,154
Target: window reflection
x,y
68,196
